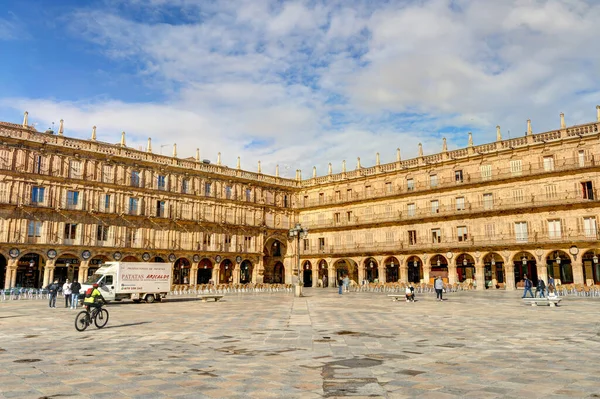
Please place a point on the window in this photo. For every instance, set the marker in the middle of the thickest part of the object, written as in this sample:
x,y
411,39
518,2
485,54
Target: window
x,y
349,239
549,163
488,201
388,187
305,201
581,158
554,229
34,229
135,178
461,232
5,162
435,206
161,182
518,195
160,209
433,181
321,198
587,190
349,194
285,201
412,237
411,209
338,195
368,213
228,192
460,203
486,172
550,191
70,231
227,239
389,237
72,199
130,237
38,164
410,184
436,236
247,243
369,238
185,186
516,167
458,176
306,242
102,232
133,206
336,217
521,231
37,195
248,195
106,203
207,239
321,243
349,216
489,231
107,174
589,226
388,211
75,170
368,191
207,189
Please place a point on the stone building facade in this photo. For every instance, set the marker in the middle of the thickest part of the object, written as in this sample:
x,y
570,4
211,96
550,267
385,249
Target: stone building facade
x,y
489,213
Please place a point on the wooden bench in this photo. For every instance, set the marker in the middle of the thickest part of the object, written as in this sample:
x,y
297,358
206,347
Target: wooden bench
x,y
552,302
215,297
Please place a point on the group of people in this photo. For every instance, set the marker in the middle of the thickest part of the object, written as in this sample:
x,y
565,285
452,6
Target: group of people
x,y
343,285
69,290
540,289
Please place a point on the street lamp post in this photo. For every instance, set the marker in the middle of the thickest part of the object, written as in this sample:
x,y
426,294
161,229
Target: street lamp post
x,y
298,232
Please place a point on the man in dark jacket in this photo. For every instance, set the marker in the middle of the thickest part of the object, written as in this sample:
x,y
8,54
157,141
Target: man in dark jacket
x,y
52,292
541,287
75,288
527,286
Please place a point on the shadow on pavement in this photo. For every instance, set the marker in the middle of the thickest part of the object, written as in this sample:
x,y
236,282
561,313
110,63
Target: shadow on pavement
x,y
128,325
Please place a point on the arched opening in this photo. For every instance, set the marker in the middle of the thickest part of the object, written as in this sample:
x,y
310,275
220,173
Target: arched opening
x,y
3,264
246,269
205,269
465,268
371,270
276,250
30,271
559,267
525,264
415,269
226,272
130,258
494,271
591,268
439,267
65,267
323,272
392,274
278,273
307,274
158,259
181,271
343,268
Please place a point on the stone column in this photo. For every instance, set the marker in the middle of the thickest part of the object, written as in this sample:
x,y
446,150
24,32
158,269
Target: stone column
x,y
509,272
426,270
83,269
577,267
11,273
315,275
542,271
451,273
13,277
361,274
215,274
403,269
258,272
331,276
381,272
194,273
236,274
480,275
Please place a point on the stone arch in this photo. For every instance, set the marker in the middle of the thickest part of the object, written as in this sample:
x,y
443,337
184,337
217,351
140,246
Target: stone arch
x,y
276,246
30,270
591,266
343,267
130,258
226,271
415,269
560,266
159,259
525,263
323,273
439,267
465,267
66,265
307,273
392,269
205,271
246,271
3,267
494,272
181,271
371,268
278,275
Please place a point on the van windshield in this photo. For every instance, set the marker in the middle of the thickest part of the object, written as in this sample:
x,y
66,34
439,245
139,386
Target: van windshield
x,y
94,278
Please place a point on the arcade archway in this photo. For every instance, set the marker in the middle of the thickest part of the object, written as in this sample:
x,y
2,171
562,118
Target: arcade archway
x,y
307,274
415,269
525,264
205,270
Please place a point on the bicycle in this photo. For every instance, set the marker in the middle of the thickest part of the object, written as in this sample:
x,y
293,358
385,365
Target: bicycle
x,y
84,318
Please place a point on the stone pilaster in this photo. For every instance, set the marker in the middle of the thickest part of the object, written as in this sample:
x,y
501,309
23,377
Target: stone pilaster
x,y
381,272
510,276
11,274
451,274
403,269
480,275
83,269
577,266
194,273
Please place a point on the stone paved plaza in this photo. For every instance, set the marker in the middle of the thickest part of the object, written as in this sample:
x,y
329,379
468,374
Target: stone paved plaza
x,y
474,344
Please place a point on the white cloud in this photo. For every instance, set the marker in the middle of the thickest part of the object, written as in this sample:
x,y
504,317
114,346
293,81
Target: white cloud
x,y
305,83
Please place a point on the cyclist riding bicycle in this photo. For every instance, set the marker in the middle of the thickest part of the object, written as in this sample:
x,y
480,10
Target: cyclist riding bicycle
x,y
95,300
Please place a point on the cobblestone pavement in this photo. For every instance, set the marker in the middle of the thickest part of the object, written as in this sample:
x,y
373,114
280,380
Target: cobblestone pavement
x,y
473,345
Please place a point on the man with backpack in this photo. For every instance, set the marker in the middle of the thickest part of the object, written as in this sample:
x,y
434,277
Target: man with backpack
x,y
75,288
52,293
527,287
93,298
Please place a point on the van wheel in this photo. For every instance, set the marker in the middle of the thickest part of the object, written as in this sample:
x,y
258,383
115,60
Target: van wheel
x,y
150,298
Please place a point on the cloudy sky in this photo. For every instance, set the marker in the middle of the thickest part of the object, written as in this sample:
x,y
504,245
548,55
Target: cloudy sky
x,y
299,83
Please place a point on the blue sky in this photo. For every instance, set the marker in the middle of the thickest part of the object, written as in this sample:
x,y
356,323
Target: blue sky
x,y
299,83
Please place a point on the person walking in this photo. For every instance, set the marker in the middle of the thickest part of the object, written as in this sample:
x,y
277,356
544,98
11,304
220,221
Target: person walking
x,y
541,287
75,288
346,284
52,292
66,289
527,286
439,287
324,281
550,284
340,285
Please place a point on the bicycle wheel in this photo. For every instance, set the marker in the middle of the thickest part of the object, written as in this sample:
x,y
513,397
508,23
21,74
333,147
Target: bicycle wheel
x,y
101,318
82,321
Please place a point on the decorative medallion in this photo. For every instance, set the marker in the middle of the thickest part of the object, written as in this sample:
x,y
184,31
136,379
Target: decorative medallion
x,y
14,253
172,258
196,258
238,259
86,254
573,250
218,258
449,255
51,253
117,256
145,256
